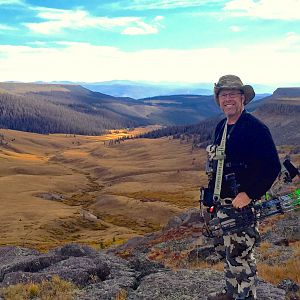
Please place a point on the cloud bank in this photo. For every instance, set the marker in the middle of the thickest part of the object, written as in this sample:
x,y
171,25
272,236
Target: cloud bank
x,y
275,63
59,19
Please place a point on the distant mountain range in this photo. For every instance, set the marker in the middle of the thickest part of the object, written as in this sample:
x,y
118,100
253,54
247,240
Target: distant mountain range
x,y
143,89
67,108
139,90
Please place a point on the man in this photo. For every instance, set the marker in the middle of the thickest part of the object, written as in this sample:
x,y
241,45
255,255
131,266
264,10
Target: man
x,y
251,155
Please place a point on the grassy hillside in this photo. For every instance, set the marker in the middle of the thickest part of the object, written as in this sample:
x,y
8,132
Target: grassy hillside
x,y
49,183
281,113
182,109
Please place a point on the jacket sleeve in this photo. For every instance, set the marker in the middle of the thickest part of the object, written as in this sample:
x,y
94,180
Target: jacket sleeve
x,y
264,162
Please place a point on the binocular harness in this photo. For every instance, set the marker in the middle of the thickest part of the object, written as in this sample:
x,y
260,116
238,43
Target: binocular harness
x,y
240,219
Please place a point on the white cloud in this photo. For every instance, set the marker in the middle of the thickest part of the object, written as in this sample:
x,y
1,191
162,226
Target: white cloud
x,y
9,2
235,28
292,37
158,18
7,27
58,19
141,29
265,9
162,4
270,63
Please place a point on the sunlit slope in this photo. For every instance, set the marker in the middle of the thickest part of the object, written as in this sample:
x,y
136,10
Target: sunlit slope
x,y
133,186
281,113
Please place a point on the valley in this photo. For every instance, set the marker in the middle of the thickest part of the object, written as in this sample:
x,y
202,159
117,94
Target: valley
x,y
61,188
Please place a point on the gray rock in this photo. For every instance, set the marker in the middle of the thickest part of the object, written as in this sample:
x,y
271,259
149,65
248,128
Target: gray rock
x,y
76,263
79,270
174,222
51,196
74,250
122,278
214,258
192,284
201,253
105,276
28,263
267,291
144,266
194,217
285,230
108,289
187,218
289,286
182,284
10,252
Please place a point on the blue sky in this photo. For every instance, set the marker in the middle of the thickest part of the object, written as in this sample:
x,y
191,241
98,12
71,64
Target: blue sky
x,y
150,40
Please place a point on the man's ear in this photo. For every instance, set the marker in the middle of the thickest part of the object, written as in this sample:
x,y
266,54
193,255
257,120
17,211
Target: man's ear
x,y
243,99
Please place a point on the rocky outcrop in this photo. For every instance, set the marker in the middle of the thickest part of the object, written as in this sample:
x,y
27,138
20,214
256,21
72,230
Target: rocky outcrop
x,y
75,263
141,268
192,285
100,275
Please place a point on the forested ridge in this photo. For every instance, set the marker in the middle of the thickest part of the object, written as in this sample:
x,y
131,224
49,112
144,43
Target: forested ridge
x,y
199,134
41,115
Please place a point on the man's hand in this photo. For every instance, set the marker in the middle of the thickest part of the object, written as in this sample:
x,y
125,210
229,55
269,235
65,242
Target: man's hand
x,y
241,200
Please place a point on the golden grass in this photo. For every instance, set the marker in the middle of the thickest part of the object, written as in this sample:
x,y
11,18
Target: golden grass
x,y
274,274
267,224
139,226
178,260
21,156
122,295
133,187
55,289
296,248
204,265
180,198
286,270
265,253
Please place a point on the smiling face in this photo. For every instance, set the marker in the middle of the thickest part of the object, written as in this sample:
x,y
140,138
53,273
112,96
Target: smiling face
x,y
232,103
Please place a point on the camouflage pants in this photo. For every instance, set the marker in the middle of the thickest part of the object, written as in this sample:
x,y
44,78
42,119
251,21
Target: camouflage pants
x,y
240,264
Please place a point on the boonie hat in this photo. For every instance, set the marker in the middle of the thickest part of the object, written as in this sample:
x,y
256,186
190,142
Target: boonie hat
x,y
233,82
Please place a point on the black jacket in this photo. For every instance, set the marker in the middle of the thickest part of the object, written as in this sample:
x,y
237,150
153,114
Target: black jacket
x,y
250,154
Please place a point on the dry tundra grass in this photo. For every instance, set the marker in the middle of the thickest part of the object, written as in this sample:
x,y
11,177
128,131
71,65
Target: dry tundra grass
x,y
131,187
55,289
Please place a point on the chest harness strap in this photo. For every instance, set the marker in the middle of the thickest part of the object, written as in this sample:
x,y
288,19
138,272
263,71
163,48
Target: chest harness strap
x,y
220,156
